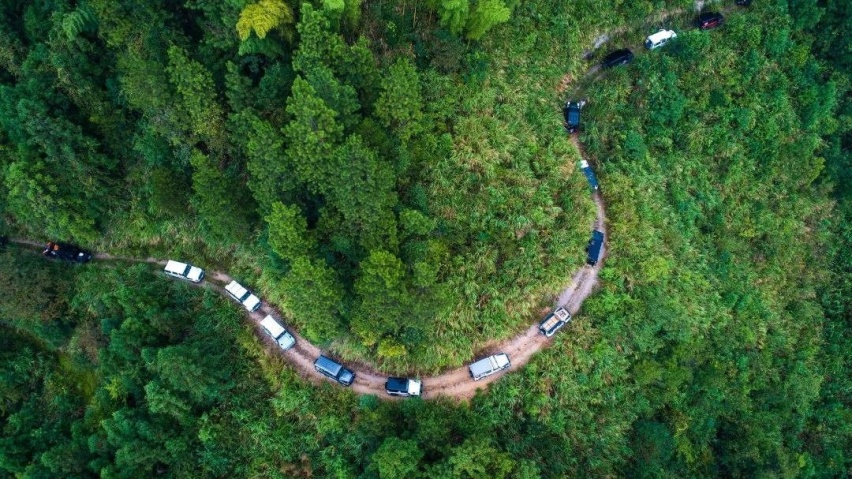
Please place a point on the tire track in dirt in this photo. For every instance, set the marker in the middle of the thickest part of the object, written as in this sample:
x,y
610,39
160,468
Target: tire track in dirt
x,y
455,383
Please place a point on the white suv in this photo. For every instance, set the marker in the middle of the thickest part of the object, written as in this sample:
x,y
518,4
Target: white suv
x,y
243,296
284,339
184,271
659,39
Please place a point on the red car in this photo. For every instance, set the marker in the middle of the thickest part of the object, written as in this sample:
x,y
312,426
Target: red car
x,y
709,20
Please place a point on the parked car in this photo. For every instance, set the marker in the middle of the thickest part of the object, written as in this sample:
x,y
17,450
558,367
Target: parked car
x,y
590,175
328,367
184,271
488,366
743,3
618,57
66,252
284,339
594,248
3,241
554,322
709,20
403,387
571,111
659,39
243,296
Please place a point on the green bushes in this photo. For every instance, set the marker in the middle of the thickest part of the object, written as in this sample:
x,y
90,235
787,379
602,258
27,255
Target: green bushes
x,y
716,346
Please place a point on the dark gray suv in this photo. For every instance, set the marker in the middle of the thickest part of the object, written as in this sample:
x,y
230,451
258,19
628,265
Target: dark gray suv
x,y
328,367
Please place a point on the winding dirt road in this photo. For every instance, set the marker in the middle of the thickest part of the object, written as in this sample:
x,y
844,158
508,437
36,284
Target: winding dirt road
x,y
455,383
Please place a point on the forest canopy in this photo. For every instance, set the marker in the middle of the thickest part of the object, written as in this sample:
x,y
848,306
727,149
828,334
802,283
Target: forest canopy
x,y
395,177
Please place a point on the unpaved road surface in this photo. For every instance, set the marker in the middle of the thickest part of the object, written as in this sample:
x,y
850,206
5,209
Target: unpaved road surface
x,y
455,383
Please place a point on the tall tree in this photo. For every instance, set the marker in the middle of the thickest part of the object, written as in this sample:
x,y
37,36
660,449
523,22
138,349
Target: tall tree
x,y
314,295
219,201
485,15
263,16
288,232
195,87
400,104
312,136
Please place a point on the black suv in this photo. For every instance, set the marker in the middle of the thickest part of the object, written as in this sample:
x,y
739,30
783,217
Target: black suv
x,y
594,248
66,252
618,57
709,20
572,115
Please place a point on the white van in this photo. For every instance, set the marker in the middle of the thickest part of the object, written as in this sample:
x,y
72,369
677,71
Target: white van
x,y
184,271
278,333
659,39
243,296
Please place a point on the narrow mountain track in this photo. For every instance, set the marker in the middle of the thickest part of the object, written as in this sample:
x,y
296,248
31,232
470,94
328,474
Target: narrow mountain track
x,y
455,383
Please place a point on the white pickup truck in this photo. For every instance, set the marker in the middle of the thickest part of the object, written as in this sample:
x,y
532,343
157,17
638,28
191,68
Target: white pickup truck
x,y
488,366
554,321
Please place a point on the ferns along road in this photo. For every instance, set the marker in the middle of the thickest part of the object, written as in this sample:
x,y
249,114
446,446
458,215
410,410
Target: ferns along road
x,y
455,383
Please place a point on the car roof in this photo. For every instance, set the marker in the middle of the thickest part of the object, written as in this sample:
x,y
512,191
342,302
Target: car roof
x,y
236,289
619,52
175,266
660,35
481,366
397,384
502,359
250,301
270,324
194,272
329,365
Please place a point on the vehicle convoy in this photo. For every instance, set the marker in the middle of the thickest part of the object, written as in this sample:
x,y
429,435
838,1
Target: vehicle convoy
x,y
184,271
571,111
488,366
590,175
709,20
66,252
554,322
618,57
243,296
334,370
284,339
403,387
659,39
594,248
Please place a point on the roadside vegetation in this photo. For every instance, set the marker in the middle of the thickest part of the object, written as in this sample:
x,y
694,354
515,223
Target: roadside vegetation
x,y
395,176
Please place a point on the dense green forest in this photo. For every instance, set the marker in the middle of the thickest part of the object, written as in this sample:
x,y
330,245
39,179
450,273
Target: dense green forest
x,y
395,176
